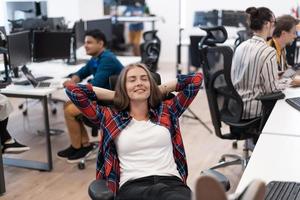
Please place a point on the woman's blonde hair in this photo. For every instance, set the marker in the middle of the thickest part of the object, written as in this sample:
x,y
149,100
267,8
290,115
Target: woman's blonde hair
x,y
121,100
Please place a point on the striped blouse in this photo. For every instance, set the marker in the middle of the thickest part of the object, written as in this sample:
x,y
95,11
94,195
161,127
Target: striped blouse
x,y
254,72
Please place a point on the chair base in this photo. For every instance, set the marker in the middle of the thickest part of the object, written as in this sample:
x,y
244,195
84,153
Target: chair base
x,y
92,155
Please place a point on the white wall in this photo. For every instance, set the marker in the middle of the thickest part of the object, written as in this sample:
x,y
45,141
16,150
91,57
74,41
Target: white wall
x,y
73,10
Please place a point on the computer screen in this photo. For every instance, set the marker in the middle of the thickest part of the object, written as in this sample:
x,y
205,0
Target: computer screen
x,y
131,2
105,25
206,18
234,18
19,50
79,33
51,45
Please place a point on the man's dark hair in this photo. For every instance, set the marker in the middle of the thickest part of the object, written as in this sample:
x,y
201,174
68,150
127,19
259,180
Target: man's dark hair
x,y
98,35
284,23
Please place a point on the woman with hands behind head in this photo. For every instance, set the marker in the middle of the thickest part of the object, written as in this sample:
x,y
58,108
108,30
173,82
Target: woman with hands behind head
x,y
141,154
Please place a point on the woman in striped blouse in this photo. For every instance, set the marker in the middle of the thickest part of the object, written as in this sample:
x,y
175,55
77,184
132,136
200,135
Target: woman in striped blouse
x,y
254,65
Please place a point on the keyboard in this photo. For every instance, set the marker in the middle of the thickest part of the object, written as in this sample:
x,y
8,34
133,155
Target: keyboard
x,y
44,84
39,79
282,190
295,102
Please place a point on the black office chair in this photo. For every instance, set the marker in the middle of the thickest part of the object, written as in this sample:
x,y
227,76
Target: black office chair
x,y
150,50
225,104
243,35
194,51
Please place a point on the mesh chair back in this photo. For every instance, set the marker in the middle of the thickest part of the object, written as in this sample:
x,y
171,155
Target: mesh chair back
x,y
150,49
225,104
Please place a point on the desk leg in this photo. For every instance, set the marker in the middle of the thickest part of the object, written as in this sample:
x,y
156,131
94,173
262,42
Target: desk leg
x,y
2,180
36,164
47,129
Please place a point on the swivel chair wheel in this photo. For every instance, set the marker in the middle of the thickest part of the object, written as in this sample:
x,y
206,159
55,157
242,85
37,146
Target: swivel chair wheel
x,y
54,111
81,165
20,106
25,112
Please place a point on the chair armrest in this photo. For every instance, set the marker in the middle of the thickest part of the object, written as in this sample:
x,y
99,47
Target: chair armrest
x,y
98,190
245,124
270,97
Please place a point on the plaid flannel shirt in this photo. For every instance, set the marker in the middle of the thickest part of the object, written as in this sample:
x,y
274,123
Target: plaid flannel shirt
x,y
112,122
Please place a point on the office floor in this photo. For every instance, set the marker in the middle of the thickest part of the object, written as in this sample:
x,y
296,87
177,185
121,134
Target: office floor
x,y
66,181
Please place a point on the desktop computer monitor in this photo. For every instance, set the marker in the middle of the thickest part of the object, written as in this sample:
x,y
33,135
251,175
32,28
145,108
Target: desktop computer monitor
x,y
105,25
203,18
79,33
131,2
51,45
19,50
234,18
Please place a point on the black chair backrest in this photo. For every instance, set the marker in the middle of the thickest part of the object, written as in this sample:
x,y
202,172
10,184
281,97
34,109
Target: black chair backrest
x,y
225,104
194,51
243,35
214,35
150,49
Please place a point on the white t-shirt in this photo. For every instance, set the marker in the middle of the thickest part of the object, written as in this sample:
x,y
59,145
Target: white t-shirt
x,y
145,149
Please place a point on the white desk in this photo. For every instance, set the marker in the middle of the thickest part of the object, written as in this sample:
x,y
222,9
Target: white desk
x,y
275,157
41,94
284,119
139,19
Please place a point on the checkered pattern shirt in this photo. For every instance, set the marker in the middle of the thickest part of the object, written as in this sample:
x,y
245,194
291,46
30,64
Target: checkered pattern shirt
x,y
112,122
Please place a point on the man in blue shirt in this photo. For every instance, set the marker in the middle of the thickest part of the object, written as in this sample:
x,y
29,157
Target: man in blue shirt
x,y
102,65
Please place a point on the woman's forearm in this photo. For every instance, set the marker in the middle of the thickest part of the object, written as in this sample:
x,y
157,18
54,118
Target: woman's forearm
x,y
168,87
104,94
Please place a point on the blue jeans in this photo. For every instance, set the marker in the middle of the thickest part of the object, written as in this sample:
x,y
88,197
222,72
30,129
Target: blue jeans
x,y
154,188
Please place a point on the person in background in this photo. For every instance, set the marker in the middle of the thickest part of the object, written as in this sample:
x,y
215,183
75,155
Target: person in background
x,y
135,29
8,144
101,66
284,34
254,68
141,150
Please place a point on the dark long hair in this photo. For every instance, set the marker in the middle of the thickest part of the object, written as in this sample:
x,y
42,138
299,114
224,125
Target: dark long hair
x,y
258,17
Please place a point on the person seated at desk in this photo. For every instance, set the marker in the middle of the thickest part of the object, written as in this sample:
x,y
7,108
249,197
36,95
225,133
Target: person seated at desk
x,y
254,69
135,29
141,149
102,65
284,34
8,144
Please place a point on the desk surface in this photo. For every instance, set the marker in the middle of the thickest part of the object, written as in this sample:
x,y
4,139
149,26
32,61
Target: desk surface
x,y
138,19
57,69
284,119
275,157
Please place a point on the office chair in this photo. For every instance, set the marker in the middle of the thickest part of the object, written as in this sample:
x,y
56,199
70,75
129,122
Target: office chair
x,y
225,104
194,58
243,35
150,49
